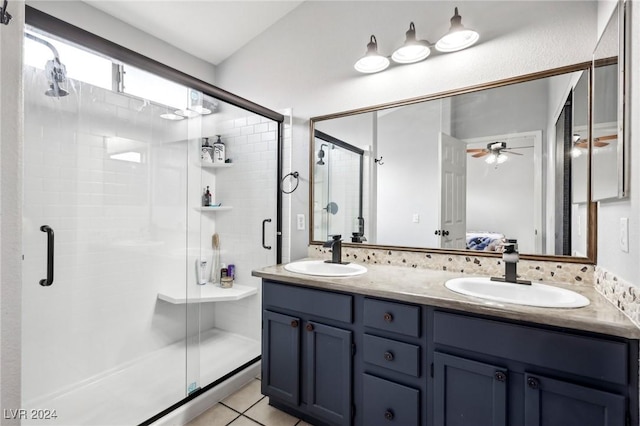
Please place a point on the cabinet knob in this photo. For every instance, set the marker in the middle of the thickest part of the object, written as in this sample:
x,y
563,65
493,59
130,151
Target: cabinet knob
x,y
388,415
388,356
294,323
388,317
309,327
500,376
533,383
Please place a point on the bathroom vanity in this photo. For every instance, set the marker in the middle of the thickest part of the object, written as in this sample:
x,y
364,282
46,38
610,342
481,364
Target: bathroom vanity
x,y
395,347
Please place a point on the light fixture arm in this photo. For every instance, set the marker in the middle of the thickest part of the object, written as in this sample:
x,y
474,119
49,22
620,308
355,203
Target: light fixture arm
x,y
5,16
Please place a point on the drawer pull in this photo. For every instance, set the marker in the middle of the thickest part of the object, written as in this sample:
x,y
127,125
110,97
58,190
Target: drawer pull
x,y
533,383
294,323
309,327
500,376
388,356
388,317
388,415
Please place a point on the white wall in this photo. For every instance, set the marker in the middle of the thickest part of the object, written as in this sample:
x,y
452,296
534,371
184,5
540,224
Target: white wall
x,y
97,22
10,209
610,256
306,60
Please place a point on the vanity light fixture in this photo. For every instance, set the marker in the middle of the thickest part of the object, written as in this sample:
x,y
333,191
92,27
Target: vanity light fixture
x,y
171,116
458,37
413,50
372,61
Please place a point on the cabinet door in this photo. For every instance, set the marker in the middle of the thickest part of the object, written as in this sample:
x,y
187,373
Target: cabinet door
x,y
281,357
328,365
468,393
554,402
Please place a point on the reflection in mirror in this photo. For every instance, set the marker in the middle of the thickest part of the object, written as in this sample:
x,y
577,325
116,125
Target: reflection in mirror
x,y
466,171
607,159
337,180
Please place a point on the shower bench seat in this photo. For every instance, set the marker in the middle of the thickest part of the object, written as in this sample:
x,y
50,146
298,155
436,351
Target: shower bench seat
x,y
208,293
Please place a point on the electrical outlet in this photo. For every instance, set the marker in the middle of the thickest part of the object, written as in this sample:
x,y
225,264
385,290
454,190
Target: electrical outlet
x,y
624,234
416,218
300,222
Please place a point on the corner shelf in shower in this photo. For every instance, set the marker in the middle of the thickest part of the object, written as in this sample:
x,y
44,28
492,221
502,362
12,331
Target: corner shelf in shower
x,y
214,209
209,293
207,165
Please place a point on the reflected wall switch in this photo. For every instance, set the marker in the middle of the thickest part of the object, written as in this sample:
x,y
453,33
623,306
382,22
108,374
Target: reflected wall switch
x,y
624,234
300,222
416,218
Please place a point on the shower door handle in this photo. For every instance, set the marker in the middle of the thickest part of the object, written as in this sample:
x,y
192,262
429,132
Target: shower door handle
x,y
264,224
49,280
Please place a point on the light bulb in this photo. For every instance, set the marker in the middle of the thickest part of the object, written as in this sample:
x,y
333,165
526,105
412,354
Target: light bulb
x,y
458,37
491,159
501,158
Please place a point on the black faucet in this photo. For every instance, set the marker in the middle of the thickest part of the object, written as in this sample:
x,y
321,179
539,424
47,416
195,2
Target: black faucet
x,y
335,244
510,257
358,237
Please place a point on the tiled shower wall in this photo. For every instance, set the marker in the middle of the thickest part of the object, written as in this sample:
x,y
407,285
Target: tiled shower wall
x,y
120,233
249,187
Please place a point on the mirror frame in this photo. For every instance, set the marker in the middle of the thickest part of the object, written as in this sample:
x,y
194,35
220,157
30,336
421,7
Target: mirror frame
x,y
592,206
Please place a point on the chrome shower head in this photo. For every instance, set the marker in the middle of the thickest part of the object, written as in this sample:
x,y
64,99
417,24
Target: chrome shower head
x,y
56,74
321,155
56,91
55,70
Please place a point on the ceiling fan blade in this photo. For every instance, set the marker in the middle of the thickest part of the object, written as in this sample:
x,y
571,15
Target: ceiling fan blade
x,y
599,144
582,143
511,152
520,147
480,154
605,138
476,149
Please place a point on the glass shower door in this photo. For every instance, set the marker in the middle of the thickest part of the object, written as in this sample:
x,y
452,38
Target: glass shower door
x,y
105,226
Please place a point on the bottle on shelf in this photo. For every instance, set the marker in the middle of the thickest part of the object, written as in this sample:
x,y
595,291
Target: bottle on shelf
x,y
206,153
206,197
219,152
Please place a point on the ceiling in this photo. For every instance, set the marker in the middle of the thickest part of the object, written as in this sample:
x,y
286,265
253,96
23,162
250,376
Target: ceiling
x,y
208,29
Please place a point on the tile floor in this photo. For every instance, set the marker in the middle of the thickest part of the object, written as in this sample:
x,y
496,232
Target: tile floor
x,y
247,407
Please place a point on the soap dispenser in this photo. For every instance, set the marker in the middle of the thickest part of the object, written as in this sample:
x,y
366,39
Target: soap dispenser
x,y
219,152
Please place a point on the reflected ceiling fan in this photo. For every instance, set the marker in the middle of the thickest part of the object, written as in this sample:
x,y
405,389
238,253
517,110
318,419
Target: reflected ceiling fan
x,y
495,152
598,142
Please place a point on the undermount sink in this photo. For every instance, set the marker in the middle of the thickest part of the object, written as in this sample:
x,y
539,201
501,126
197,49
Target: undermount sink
x,y
324,269
540,295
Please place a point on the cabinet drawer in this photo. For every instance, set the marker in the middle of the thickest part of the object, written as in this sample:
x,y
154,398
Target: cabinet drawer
x,y
392,317
391,354
320,303
570,353
389,403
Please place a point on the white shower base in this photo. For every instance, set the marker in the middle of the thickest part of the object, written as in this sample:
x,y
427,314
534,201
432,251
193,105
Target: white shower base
x,y
136,392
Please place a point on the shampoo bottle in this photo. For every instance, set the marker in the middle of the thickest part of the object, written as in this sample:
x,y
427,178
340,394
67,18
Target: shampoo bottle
x,y
219,152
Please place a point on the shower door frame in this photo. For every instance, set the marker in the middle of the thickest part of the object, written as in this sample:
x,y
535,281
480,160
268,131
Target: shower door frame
x,y
71,33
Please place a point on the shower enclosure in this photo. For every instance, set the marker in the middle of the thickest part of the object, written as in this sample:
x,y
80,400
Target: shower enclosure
x,y
116,328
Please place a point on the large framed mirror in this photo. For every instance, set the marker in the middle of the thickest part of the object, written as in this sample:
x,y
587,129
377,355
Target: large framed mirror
x,y
610,168
462,171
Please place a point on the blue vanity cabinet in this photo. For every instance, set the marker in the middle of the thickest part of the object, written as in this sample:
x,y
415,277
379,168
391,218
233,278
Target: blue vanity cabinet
x,y
468,392
496,372
556,402
307,341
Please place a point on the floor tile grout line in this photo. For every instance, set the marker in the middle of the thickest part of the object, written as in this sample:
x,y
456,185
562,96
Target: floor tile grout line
x,y
254,404
230,408
235,418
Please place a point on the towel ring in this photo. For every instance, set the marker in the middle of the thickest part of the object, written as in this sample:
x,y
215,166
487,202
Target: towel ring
x,y
296,176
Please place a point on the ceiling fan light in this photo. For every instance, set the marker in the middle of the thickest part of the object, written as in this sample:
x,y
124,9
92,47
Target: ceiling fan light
x,y
458,37
576,152
372,61
412,50
501,158
491,158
